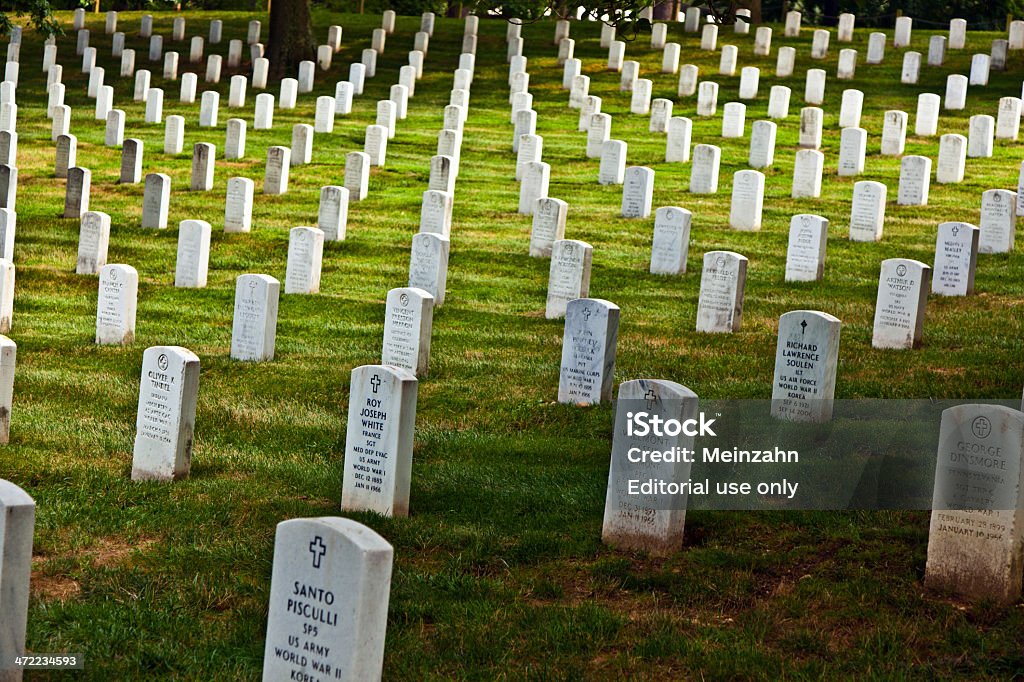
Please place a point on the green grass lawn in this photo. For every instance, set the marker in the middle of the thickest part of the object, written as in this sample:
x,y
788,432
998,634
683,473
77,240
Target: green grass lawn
x,y
499,570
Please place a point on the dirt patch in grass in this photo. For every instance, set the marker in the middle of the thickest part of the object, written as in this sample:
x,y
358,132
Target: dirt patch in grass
x,y
53,588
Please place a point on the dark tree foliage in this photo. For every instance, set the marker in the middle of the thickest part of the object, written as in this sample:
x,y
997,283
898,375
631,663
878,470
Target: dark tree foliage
x,y
39,13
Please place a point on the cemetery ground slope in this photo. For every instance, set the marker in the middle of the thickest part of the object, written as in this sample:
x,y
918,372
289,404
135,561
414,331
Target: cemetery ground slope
x,y
499,570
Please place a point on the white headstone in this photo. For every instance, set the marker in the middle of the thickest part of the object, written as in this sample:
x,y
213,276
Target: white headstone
x,y
956,255
115,308
305,257
254,326
998,221
805,254
903,287
568,275
867,211
166,418
806,360
588,351
193,260
93,241
156,197
238,205
722,283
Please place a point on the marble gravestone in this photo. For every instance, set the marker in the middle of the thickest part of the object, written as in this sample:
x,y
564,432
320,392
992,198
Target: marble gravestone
x,y
671,242
637,192
336,573
762,152
238,205
956,257
156,197
305,256
379,440
436,212
6,294
549,216
975,539
254,325
903,287
722,283
747,200
867,211
76,196
805,254
588,351
116,305
408,322
647,522
915,179
428,264
167,414
332,215
704,169
806,360
568,275
357,175
998,221
17,526
952,158
93,242
193,261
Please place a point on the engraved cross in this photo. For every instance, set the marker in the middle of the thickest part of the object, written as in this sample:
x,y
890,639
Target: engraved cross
x,y
317,548
375,382
650,397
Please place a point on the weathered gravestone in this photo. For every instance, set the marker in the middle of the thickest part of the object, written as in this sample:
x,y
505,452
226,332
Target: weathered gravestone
x,y
156,198
588,351
76,195
549,216
131,161
903,287
806,360
17,525
275,179
436,212
167,414
116,305
634,520
328,601
805,254
722,282
332,215
379,440
568,275
408,323
975,539
254,325
428,264
93,242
